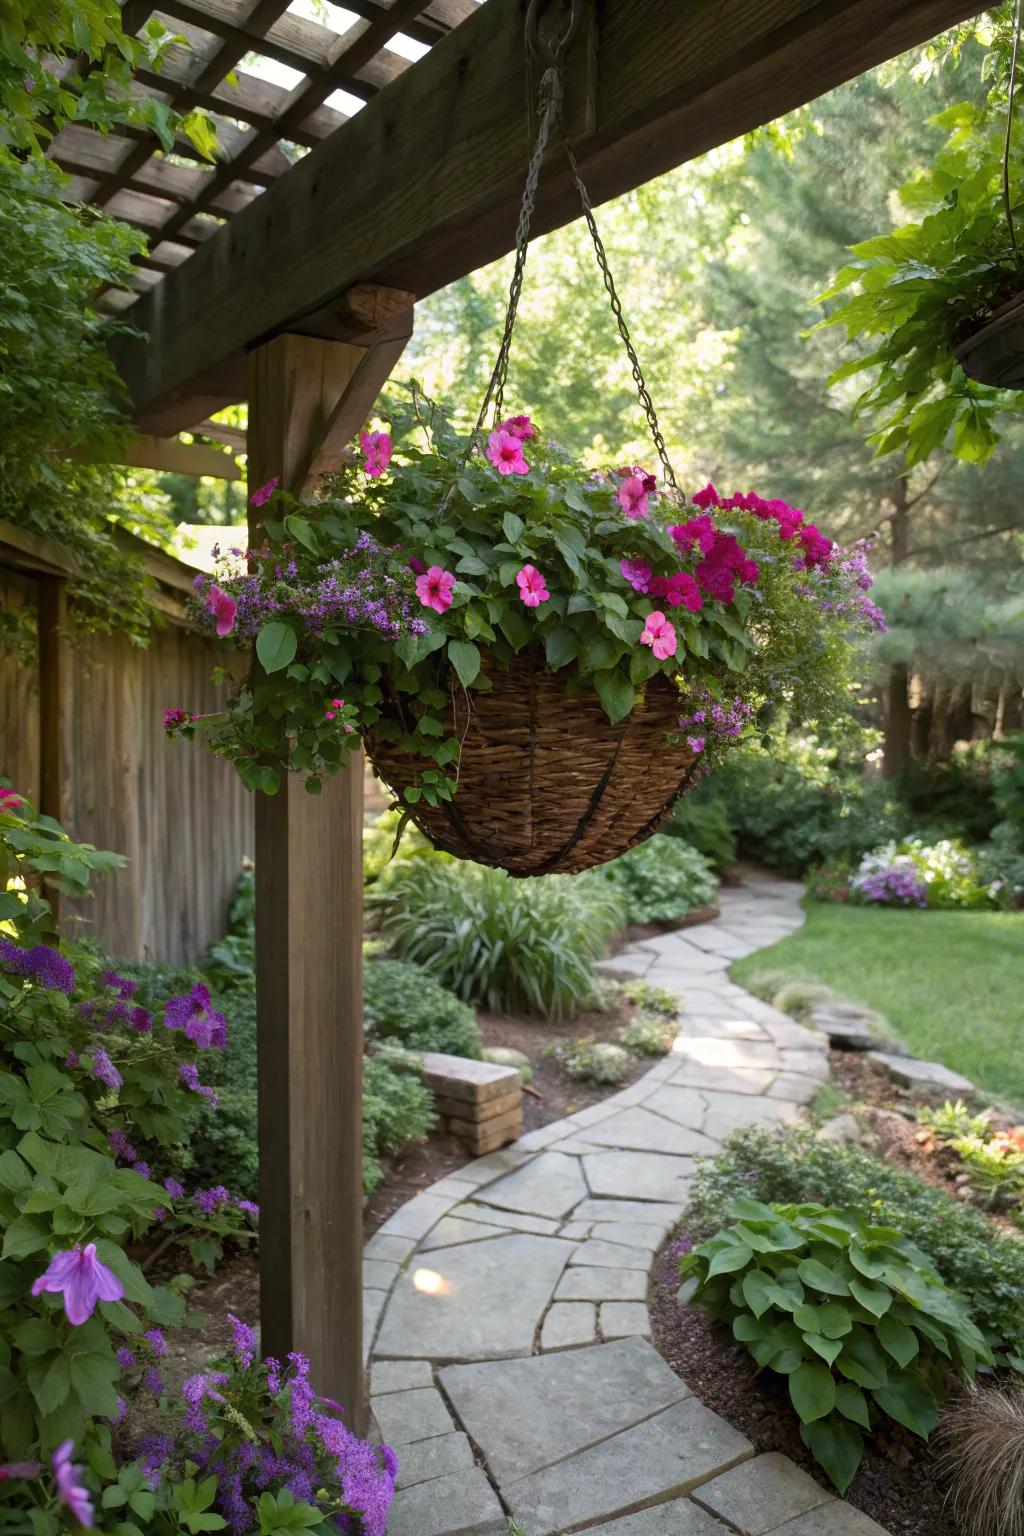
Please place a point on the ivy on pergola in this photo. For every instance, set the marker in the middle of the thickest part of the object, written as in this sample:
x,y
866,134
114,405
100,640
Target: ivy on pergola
x,y
287,279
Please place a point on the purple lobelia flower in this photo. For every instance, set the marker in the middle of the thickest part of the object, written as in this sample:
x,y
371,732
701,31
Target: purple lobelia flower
x,y
194,1014
71,1491
49,967
103,1068
83,1280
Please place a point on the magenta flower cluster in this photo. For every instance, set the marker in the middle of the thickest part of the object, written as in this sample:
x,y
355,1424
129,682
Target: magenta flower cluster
x,y
899,885
713,721
194,1014
817,549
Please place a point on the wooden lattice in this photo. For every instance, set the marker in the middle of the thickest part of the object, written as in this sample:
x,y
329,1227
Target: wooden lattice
x,y
180,200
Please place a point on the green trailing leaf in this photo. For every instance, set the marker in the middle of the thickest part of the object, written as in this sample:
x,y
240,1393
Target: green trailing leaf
x,y
276,645
837,1446
465,658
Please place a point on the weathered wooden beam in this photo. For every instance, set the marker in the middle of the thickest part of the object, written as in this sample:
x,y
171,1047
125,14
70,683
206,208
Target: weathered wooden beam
x,y
308,966
422,185
167,454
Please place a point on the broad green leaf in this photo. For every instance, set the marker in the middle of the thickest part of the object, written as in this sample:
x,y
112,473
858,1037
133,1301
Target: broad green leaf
x,y
852,1404
617,697
465,658
513,526
837,1447
828,1349
727,1260
747,1329
758,1291
276,645
815,1275
907,1400
876,1299
561,645
812,1391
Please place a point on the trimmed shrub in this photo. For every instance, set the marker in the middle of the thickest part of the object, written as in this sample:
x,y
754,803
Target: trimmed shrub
x,y
397,1109
701,819
985,1265
404,1003
662,879
649,1034
510,945
596,1061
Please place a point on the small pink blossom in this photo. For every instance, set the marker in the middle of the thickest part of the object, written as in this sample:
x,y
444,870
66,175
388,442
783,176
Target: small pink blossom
x,y
632,496
695,743
638,573
223,609
262,496
377,448
9,801
532,587
505,451
519,426
84,1281
660,635
434,589
333,707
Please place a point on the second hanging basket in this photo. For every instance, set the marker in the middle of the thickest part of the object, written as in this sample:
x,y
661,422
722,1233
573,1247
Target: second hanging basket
x,y
547,785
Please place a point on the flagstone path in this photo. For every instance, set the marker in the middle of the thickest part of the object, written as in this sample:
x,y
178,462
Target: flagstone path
x,y
507,1326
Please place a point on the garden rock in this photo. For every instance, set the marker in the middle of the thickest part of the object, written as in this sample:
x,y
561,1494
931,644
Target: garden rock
x,y
927,1075
849,1027
840,1128
506,1056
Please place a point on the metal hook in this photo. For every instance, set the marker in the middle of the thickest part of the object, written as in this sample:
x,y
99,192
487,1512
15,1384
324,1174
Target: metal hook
x,y
553,51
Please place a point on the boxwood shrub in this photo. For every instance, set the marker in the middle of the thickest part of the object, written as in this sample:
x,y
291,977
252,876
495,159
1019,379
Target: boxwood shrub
x,y
404,1003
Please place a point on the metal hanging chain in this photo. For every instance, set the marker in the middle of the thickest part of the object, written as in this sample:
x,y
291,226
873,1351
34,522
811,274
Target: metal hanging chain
x,y
609,282
552,55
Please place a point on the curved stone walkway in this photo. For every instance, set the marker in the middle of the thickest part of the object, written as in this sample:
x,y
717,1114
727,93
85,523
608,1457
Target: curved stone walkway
x,y
507,1324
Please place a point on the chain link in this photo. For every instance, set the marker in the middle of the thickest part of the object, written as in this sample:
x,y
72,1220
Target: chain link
x,y
550,110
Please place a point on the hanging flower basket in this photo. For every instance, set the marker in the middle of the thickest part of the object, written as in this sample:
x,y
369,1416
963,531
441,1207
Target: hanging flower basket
x,y
994,353
540,659
546,783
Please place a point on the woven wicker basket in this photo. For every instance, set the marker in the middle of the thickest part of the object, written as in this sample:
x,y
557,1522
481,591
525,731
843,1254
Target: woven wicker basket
x,y
546,784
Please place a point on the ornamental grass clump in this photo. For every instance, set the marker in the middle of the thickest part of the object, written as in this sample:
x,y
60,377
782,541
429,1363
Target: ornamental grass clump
x,y
510,945
433,559
851,1313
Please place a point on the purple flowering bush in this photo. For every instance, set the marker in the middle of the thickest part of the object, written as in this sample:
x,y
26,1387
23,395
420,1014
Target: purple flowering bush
x,y
431,552
95,1091
913,873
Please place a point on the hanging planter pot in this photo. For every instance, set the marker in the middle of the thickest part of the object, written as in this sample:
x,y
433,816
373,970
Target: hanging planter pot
x,y
547,784
994,353
540,658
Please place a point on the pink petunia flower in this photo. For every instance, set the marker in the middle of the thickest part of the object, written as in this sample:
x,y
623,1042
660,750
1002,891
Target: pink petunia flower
x,y
333,708
84,1281
434,589
708,497
9,801
519,426
262,496
638,573
679,590
660,635
377,447
505,452
532,588
223,609
71,1491
632,496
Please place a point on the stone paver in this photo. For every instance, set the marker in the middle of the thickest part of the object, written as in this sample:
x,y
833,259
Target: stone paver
x,y
668,1454
565,1402
568,1324
550,1185
513,1367
762,1494
479,1301
625,1320
628,1173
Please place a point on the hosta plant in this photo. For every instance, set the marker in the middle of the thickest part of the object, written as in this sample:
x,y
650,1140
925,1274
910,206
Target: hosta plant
x,y
852,1314
431,559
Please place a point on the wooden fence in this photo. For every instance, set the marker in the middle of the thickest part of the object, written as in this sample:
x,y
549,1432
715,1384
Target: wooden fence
x,y
81,737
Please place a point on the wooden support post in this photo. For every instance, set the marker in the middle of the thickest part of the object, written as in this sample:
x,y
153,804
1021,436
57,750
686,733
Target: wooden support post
x,y
309,952
54,706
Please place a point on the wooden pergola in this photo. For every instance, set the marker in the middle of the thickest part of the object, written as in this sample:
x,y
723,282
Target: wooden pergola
x,y
285,276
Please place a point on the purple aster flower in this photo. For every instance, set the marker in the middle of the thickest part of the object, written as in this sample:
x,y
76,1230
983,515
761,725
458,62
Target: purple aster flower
x,y
120,984
125,1358
103,1069
153,1381
247,1207
194,1014
121,1147
155,1339
244,1341
210,1200
175,1189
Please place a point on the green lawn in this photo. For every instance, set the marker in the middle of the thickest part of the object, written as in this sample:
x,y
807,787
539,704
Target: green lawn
x,y
951,984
